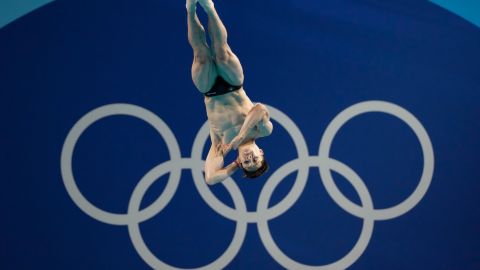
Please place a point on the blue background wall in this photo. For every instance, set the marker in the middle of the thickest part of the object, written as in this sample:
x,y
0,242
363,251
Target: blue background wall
x,y
309,59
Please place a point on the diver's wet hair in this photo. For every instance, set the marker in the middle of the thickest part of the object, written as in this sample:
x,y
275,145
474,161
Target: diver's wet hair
x,y
260,171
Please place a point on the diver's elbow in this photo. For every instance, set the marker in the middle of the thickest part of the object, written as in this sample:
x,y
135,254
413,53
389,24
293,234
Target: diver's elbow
x,y
212,180
209,180
261,107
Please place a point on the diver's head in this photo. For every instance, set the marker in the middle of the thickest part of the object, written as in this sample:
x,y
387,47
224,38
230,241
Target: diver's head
x,y
252,160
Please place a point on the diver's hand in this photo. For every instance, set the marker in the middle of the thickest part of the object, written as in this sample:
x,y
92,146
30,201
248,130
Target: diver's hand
x,y
226,148
219,149
223,149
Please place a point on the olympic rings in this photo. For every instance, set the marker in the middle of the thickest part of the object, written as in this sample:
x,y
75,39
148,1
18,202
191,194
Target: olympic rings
x,y
239,213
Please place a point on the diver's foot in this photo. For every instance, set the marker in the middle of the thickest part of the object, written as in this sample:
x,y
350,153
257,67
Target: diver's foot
x,y
191,4
207,5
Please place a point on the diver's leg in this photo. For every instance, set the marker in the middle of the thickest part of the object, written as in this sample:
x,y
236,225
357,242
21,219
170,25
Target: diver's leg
x,y
204,72
228,65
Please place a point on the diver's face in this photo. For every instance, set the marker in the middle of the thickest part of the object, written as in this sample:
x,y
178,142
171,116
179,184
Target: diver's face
x,y
251,157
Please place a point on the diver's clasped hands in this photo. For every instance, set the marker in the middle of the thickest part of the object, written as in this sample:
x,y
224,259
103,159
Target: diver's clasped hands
x,y
234,144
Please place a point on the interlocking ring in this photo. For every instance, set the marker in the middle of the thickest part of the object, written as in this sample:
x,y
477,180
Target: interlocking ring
x,y
239,213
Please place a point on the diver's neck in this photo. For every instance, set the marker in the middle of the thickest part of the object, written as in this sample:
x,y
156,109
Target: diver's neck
x,y
246,144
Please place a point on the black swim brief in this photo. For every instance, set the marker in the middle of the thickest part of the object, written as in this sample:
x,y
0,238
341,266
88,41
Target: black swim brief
x,y
221,87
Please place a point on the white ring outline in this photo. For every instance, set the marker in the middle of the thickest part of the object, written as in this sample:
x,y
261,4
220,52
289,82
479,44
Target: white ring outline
x,y
69,147
134,229
359,186
427,150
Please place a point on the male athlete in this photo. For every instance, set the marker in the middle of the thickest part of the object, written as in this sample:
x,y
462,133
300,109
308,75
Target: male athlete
x,y
235,122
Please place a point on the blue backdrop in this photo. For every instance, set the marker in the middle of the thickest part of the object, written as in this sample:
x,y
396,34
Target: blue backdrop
x,y
309,60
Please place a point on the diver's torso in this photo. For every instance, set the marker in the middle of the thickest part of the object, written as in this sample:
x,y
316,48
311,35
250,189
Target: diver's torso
x,y
226,113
